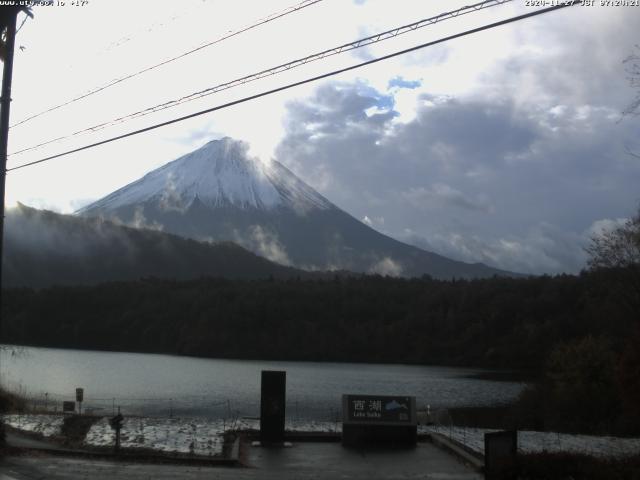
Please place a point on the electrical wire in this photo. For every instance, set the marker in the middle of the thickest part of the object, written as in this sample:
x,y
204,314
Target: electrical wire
x,y
262,21
301,82
303,61
281,68
379,37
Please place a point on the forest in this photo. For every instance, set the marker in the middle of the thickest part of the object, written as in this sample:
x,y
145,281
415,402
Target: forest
x,y
498,322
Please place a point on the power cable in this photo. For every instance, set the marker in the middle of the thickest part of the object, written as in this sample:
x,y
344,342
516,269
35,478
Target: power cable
x,y
363,42
262,21
158,23
301,82
379,37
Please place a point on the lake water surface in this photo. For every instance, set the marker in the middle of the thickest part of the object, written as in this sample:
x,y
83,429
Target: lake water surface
x,y
165,385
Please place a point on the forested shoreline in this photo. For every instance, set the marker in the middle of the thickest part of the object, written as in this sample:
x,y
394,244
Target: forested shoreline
x,y
498,322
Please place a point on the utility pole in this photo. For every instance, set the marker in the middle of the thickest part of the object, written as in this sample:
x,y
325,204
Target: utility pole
x,y
5,102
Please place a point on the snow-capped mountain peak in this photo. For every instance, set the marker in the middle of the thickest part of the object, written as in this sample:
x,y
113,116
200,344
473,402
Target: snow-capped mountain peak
x,y
220,173
219,193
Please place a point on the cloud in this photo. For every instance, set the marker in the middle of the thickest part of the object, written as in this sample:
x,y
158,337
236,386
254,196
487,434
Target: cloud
x,y
140,221
400,82
505,153
546,65
487,178
47,233
373,222
544,248
375,162
387,267
602,226
171,199
441,194
264,243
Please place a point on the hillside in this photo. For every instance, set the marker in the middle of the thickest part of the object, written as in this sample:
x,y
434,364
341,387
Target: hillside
x,y
43,248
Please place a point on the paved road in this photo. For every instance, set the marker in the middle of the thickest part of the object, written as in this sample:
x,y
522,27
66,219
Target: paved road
x,y
23,441
304,461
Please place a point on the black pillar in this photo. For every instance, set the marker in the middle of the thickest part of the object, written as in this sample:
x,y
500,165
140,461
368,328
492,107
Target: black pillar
x,y
272,406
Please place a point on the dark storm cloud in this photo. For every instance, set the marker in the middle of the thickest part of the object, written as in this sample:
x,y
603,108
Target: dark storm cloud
x,y
478,133
575,56
440,194
366,160
474,180
336,107
515,173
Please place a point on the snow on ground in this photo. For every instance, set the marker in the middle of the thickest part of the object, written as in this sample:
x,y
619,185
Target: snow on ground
x,y
171,435
205,436
536,442
174,435
185,435
46,425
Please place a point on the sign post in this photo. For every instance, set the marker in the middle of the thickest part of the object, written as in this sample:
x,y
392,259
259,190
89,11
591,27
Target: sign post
x,y
68,407
79,398
379,419
116,424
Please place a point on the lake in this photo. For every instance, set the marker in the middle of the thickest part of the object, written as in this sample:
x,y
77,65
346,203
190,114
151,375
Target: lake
x,y
149,384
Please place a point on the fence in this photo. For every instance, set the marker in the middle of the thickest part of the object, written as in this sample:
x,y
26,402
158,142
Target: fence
x,y
534,441
198,420
243,414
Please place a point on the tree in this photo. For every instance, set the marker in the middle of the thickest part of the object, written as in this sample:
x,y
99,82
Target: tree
x,y
617,248
582,389
632,68
632,64
617,252
628,375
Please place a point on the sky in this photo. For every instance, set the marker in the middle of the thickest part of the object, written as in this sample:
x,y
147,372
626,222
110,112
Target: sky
x,y
507,147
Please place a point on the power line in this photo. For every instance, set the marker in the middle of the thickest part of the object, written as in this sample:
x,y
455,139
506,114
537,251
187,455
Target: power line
x,y
379,37
158,23
301,82
262,21
363,42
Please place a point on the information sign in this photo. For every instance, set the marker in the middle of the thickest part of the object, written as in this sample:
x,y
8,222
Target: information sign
x,y
376,408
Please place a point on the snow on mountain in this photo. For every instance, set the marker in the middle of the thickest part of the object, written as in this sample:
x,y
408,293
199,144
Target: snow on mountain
x,y
220,173
220,193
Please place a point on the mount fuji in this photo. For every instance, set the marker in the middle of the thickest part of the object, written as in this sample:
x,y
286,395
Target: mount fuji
x,y
219,193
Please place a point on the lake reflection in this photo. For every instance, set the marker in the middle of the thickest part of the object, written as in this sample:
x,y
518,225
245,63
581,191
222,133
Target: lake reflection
x,y
170,385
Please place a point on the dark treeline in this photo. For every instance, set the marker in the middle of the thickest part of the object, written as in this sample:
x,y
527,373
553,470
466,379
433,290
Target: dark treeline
x,y
499,322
